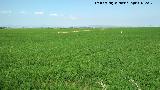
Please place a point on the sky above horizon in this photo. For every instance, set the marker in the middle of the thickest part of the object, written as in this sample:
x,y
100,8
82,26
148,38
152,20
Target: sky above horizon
x,y
57,13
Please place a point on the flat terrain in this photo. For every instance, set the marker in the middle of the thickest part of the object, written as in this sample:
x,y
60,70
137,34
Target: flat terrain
x,y
83,59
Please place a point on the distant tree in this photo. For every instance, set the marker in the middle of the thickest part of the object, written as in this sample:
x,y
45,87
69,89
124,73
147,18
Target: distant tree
x,y
3,27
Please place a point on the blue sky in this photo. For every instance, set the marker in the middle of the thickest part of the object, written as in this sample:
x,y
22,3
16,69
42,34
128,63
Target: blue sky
x,y
37,13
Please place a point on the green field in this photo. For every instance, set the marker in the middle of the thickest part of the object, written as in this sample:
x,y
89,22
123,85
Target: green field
x,y
98,59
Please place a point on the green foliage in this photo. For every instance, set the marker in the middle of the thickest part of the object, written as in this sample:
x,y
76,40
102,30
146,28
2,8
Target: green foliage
x,y
85,60
3,27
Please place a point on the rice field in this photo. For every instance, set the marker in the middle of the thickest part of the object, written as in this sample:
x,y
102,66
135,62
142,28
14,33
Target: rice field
x,y
80,59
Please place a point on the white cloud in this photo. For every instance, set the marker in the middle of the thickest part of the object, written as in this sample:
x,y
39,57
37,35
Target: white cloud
x,y
6,12
39,13
53,14
22,12
73,17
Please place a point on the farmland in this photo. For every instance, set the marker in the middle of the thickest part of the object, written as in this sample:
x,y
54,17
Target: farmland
x,y
83,59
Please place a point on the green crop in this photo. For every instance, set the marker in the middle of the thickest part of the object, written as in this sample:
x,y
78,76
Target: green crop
x,y
83,59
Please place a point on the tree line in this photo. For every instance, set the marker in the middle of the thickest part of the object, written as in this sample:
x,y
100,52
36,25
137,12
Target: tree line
x,y
3,27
